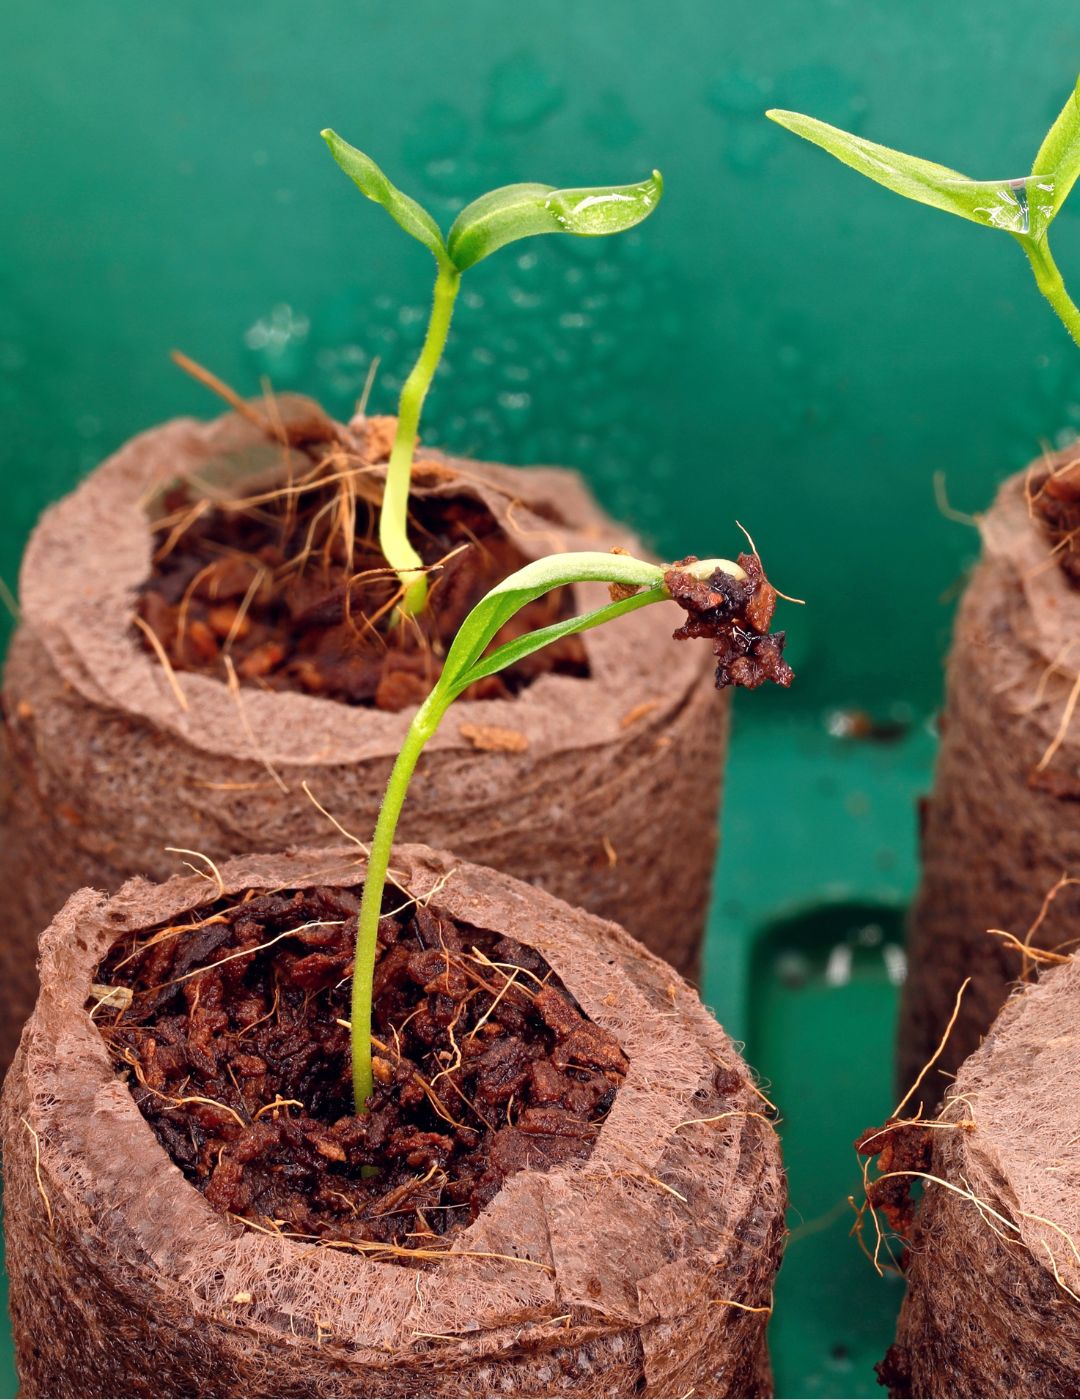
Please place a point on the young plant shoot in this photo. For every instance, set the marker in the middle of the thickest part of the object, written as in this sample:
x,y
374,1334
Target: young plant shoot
x,y
730,602
1025,207
491,222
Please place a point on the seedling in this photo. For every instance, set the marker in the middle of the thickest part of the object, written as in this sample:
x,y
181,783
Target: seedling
x,y
731,602
1025,207
491,222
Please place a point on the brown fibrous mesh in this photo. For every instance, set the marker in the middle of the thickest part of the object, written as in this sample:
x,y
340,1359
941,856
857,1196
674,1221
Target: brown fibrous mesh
x,y
102,767
645,1270
1002,825
993,1263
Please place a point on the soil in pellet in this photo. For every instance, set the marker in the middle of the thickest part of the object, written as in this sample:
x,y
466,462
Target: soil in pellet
x,y
290,586
231,1030
1054,502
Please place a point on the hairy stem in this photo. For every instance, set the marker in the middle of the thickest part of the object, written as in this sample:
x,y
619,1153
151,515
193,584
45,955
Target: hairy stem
x,y
425,722
1052,286
393,533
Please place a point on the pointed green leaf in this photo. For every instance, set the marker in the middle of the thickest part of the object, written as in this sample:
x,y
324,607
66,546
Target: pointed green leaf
x,y
371,181
520,647
1058,162
523,211
1016,206
478,630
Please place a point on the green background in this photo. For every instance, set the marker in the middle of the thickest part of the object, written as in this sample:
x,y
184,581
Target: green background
x,y
783,343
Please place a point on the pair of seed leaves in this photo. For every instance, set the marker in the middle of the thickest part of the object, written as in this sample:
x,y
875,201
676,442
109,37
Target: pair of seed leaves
x,y
504,215
466,661
1025,207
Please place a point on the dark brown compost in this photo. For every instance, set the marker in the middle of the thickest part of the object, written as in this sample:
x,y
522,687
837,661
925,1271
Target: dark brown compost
x,y
646,1269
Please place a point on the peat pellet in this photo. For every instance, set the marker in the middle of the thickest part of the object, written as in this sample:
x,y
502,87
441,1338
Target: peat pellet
x,y
1002,825
602,789
644,1269
993,1300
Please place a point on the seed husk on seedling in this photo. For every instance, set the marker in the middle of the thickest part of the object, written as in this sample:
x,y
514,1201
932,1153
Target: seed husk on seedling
x,y
501,217
1024,207
731,602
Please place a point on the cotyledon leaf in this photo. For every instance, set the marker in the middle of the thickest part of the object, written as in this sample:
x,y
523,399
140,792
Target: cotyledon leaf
x,y
529,582
1022,207
523,211
371,181
512,652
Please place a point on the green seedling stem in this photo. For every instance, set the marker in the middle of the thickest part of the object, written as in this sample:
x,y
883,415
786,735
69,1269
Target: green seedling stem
x,y
467,662
501,217
393,532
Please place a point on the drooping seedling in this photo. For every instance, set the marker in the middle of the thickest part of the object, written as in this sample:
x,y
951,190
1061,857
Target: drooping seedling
x,y
1024,207
500,217
730,602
